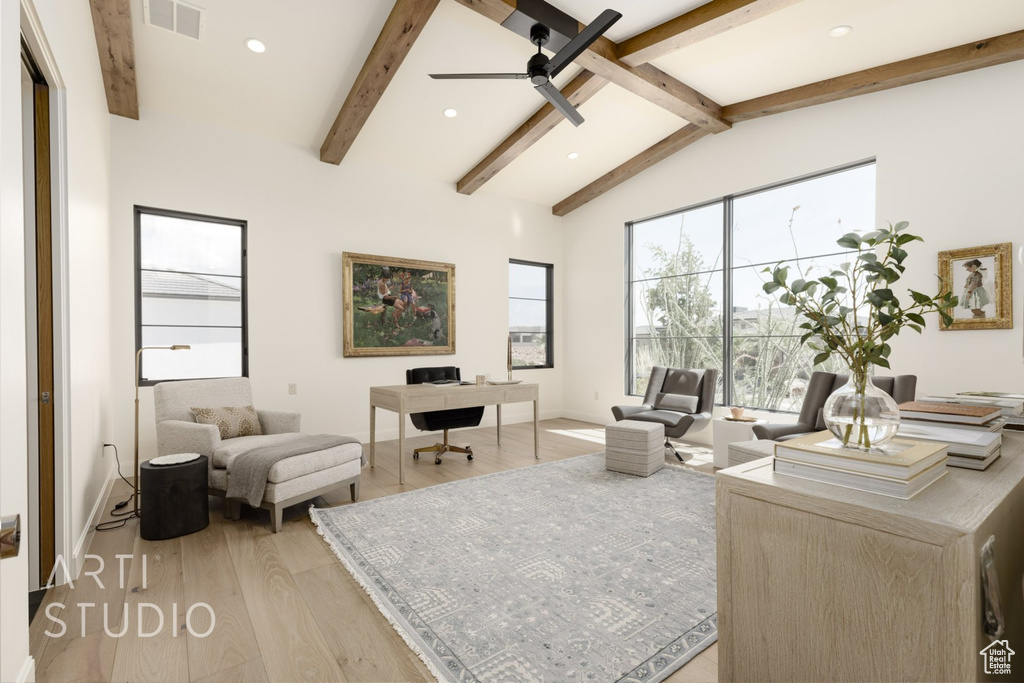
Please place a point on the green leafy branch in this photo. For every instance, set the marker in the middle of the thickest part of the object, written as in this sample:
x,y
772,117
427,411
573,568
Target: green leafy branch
x,y
853,312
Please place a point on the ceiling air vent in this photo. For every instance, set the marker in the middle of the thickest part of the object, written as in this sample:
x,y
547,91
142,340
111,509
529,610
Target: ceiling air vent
x,y
173,15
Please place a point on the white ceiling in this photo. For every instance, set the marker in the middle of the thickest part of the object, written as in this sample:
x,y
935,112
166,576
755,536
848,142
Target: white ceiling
x,y
293,91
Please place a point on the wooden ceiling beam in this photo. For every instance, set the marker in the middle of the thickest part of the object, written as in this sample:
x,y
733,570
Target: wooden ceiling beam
x,y
646,81
577,91
979,54
684,137
115,43
706,21
402,28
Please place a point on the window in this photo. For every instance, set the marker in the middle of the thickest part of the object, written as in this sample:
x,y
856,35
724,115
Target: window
x,y
530,314
190,289
695,283
677,290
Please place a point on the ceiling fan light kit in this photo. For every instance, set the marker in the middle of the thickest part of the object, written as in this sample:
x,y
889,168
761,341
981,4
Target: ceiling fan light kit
x,y
548,26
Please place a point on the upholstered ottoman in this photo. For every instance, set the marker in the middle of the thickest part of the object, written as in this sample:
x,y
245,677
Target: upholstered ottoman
x,y
747,451
634,447
294,479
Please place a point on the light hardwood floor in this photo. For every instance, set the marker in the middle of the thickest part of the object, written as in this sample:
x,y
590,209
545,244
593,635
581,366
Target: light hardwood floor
x,y
286,610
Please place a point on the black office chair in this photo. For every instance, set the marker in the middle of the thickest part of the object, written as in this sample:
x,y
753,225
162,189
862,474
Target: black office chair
x,y
442,420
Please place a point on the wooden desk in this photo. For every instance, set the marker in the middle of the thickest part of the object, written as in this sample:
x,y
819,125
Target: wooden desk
x,y
421,398
819,582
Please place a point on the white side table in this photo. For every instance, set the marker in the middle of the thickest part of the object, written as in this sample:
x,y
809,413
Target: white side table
x,y
725,432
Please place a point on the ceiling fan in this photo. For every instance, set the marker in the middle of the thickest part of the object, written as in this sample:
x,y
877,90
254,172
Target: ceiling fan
x,y
546,25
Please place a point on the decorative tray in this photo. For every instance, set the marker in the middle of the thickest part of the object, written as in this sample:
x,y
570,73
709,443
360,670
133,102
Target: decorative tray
x,y
176,459
740,419
504,381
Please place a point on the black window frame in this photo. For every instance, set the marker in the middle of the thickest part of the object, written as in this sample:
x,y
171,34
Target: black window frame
x,y
139,210
549,300
727,274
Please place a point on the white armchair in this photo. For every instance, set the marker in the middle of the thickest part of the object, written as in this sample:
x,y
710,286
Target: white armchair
x,y
290,481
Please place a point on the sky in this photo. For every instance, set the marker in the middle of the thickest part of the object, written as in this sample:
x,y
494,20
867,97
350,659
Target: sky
x,y
192,246
829,207
526,282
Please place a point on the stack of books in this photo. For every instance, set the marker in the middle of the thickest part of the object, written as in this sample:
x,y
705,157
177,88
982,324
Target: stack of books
x,y
1012,405
949,412
970,448
971,431
900,468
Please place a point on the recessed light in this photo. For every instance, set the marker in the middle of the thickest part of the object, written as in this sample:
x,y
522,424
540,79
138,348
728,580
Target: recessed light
x,y
450,113
840,31
573,155
255,45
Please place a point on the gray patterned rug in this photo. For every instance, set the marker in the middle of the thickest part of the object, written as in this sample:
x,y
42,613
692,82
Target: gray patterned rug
x,y
555,572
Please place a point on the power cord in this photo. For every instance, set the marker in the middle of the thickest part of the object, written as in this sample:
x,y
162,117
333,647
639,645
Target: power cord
x,y
112,524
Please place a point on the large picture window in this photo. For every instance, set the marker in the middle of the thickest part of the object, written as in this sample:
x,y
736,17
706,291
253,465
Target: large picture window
x,y
695,283
530,314
190,289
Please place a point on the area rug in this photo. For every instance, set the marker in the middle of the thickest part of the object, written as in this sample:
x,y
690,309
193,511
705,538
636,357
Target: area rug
x,y
556,572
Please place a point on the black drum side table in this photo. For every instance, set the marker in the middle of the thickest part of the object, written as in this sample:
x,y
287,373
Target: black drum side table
x,y
173,499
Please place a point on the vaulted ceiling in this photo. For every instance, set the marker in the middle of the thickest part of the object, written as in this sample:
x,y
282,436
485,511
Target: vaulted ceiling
x,y
661,59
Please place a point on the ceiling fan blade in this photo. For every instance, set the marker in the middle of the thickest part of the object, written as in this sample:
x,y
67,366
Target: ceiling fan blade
x,y
575,47
479,76
558,101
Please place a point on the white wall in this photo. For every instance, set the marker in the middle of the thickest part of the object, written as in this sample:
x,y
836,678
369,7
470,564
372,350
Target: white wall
x,y
302,214
957,182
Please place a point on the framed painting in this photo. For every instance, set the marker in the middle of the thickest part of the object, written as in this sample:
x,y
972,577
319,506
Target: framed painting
x,y
397,307
981,278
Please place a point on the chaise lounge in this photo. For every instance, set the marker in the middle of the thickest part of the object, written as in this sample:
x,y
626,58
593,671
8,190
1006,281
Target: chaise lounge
x,y
289,481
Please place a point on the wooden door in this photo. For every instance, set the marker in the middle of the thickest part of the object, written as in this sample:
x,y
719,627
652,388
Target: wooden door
x,y
44,317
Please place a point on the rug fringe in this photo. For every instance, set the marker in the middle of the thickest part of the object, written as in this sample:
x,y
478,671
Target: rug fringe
x,y
434,671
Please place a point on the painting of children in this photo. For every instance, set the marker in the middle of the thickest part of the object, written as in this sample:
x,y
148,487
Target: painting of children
x,y
407,310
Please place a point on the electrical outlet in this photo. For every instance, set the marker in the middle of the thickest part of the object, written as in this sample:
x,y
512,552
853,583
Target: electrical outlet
x,y
293,389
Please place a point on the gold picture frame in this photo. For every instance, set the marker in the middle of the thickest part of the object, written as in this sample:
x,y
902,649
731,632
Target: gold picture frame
x,y
397,306
982,280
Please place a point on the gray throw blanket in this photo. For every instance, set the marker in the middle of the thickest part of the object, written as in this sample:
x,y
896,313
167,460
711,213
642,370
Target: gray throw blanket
x,y
248,479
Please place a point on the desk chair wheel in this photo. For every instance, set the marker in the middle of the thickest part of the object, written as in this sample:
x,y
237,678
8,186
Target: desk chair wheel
x,y
415,455
437,460
469,456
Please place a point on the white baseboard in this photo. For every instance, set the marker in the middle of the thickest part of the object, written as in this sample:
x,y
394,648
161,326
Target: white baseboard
x,y
86,535
28,671
508,417
588,417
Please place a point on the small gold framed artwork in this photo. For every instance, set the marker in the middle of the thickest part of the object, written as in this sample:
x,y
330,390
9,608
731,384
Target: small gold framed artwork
x,y
982,280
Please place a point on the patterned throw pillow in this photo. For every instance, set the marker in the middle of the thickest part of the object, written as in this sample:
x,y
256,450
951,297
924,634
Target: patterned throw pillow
x,y
231,421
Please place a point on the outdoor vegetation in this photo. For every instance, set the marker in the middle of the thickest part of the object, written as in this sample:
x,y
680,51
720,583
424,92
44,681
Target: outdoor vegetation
x,y
678,322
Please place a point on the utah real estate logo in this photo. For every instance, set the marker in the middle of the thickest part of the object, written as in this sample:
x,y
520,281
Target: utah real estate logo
x,y
997,657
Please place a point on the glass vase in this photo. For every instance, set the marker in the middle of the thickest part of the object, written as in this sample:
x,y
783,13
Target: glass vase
x,y
860,414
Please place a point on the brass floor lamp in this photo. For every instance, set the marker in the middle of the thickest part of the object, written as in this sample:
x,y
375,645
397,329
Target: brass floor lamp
x,y
138,359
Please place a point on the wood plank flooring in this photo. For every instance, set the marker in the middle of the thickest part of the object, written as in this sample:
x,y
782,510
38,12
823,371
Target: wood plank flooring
x,y
286,610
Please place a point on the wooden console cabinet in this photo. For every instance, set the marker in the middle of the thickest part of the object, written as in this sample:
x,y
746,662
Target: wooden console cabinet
x,y
823,583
